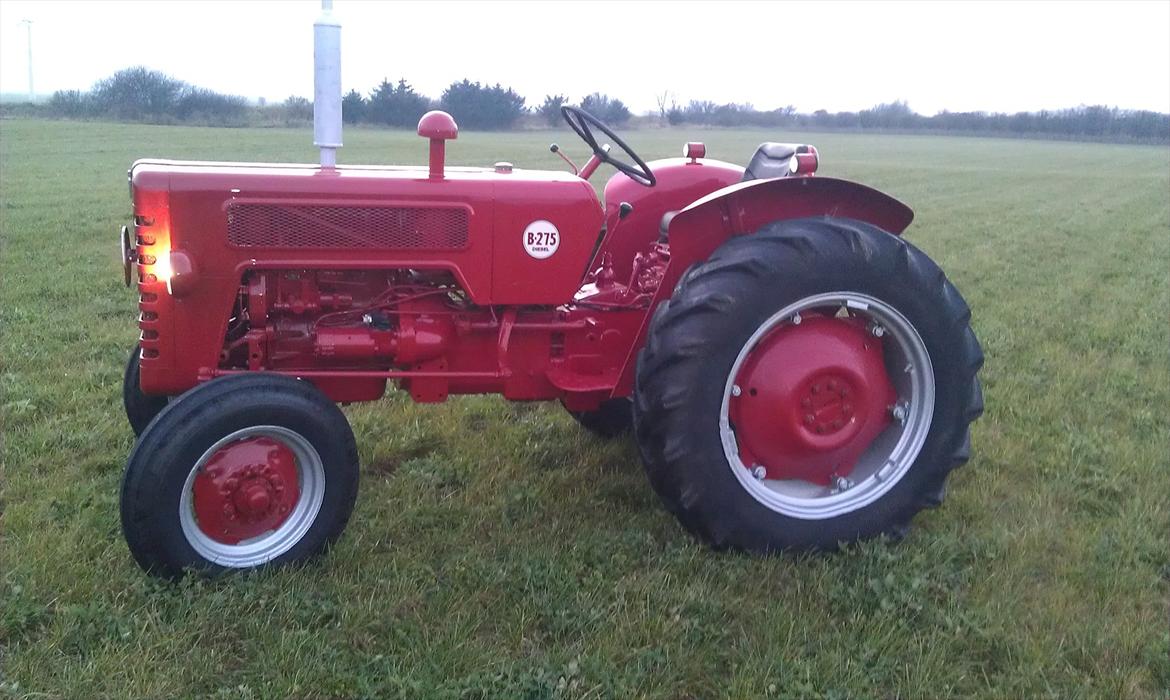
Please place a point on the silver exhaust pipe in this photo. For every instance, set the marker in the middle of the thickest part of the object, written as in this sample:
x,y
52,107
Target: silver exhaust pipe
x,y
327,85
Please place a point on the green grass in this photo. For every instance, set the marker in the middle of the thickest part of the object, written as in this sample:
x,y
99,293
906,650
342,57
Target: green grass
x,y
499,551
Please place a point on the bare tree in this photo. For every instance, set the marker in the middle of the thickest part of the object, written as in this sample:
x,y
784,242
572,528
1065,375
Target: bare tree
x,y
665,102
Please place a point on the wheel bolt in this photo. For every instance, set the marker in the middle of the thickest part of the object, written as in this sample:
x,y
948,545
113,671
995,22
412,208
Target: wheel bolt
x,y
759,472
809,418
899,413
735,390
842,483
877,331
796,319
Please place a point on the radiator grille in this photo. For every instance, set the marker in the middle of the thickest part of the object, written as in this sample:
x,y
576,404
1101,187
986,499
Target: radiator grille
x,y
314,226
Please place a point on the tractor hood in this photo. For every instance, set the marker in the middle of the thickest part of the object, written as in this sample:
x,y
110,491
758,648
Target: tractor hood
x,y
475,222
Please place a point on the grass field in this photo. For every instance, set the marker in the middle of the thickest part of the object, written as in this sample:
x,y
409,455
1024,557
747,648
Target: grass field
x,y
498,551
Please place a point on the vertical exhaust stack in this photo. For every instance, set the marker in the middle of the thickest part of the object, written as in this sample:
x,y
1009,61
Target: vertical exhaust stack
x,y
327,85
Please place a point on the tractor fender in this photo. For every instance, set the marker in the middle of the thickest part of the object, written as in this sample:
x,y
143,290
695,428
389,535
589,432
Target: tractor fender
x,y
746,207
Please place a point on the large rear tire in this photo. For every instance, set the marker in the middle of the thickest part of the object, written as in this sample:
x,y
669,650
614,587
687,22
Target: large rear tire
x,y
140,408
241,472
808,385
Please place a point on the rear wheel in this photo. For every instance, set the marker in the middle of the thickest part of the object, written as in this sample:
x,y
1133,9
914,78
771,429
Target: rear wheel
x,y
140,408
808,385
238,473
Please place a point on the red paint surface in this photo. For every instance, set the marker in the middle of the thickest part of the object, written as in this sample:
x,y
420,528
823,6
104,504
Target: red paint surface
x,y
281,265
812,399
246,489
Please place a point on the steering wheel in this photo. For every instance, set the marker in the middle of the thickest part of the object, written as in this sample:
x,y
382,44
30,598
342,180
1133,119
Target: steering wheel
x,y
583,123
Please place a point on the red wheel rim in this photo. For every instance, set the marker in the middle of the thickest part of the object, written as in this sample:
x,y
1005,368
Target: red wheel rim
x,y
810,398
245,489
827,406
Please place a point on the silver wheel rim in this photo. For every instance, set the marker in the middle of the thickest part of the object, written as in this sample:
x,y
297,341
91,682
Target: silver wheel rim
x,y
891,454
270,545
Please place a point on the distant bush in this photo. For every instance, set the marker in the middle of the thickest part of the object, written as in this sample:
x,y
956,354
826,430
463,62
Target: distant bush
x,y
297,108
353,107
608,109
476,106
210,107
142,94
137,94
550,109
70,103
395,105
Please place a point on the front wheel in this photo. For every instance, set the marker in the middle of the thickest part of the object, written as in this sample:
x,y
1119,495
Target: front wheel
x,y
808,385
140,408
238,473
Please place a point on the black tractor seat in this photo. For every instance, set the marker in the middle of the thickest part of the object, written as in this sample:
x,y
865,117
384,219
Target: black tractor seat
x,y
773,160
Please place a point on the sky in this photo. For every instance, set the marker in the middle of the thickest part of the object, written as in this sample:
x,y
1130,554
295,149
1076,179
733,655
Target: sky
x,y
957,56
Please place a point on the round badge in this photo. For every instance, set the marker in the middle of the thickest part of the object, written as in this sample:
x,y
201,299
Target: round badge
x,y
541,239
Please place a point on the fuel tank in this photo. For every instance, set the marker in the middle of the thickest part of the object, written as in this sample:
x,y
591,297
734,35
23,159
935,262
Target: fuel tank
x,y
681,181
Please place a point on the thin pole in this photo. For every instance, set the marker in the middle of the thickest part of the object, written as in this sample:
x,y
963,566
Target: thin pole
x,y
31,94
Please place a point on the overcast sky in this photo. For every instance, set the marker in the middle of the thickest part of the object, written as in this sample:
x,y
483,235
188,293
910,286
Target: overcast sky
x,y
835,55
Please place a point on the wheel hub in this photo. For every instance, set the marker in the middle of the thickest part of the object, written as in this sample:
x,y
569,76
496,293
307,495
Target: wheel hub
x,y
247,488
811,398
827,403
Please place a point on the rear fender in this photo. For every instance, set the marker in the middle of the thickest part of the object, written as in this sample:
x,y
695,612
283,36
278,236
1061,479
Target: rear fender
x,y
746,207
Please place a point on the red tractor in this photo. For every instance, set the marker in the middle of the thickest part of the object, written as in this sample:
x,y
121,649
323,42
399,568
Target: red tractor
x,y
795,373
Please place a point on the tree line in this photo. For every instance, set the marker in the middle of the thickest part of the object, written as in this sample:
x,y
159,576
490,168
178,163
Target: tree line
x,y
142,94
1096,122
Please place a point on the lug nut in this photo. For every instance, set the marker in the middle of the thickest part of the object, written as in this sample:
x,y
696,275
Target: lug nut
x,y
759,472
843,484
877,331
796,319
809,418
899,413
735,390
